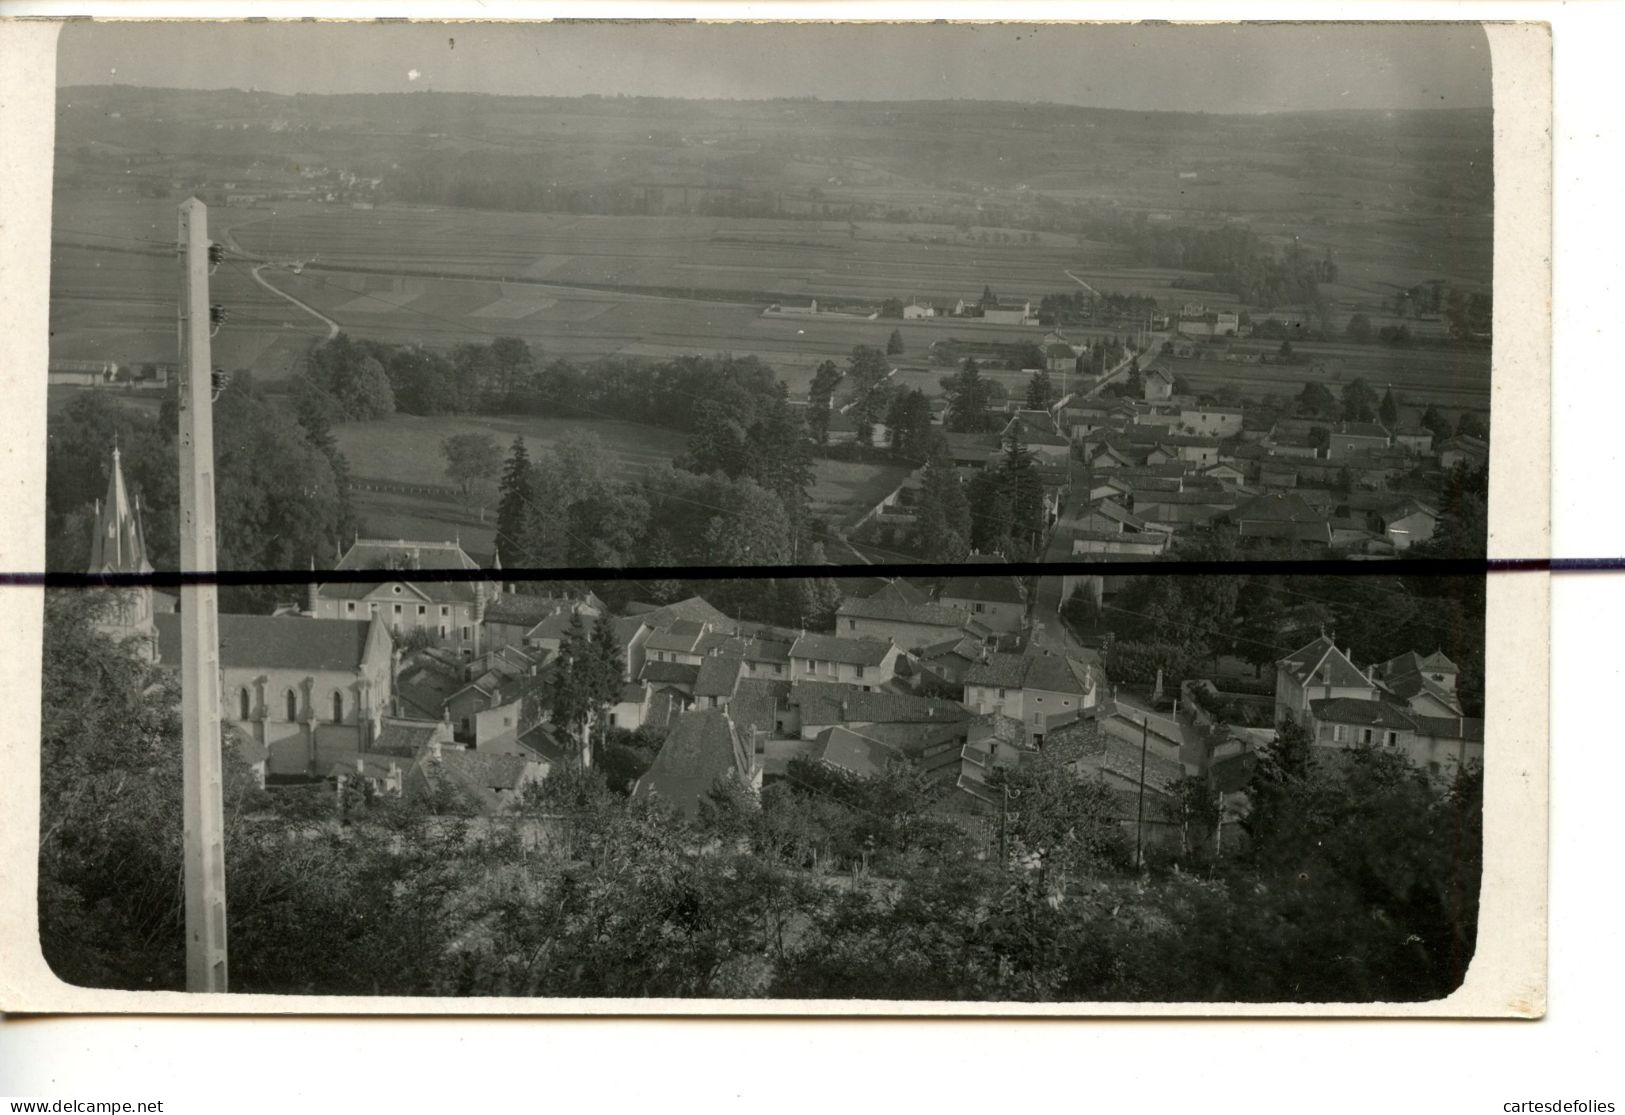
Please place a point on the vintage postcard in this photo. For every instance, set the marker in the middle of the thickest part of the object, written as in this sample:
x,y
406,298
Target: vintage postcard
x,y
776,518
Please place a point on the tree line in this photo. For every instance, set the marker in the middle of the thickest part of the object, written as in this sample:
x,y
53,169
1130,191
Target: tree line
x,y
282,488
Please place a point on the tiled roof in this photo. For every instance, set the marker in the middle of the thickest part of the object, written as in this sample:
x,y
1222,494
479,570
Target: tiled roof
x,y
1006,671
1051,672
634,692
721,642
701,747
756,702
681,639
524,609
718,675
483,769
398,559
274,642
403,555
1362,429
669,673
994,589
964,646
407,738
767,650
694,608
1469,728
899,612
1086,744
1213,497
1056,673
1321,663
858,754
626,629
833,648
1352,710
1279,507
901,591
913,738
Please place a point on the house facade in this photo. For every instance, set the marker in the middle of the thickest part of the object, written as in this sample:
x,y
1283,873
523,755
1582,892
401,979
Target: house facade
x,y
452,613
1030,688
867,663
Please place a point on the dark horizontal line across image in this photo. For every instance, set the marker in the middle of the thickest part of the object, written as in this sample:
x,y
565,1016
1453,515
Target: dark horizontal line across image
x,y
1406,567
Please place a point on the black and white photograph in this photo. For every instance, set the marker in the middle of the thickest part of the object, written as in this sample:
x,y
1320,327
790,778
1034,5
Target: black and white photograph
x,y
924,514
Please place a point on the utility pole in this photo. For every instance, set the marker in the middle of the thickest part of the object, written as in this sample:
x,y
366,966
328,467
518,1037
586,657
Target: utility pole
x,y
1139,814
204,828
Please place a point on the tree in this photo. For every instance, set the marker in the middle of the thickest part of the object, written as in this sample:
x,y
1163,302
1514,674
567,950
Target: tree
x,y
1433,419
363,390
278,499
1470,424
1019,476
942,528
471,458
866,366
825,379
1040,392
513,496
110,805
1070,823
909,419
1359,402
1285,352
894,343
988,499
968,397
1359,329
1388,412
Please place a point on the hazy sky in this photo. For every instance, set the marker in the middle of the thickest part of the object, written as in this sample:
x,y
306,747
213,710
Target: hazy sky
x,y
1254,68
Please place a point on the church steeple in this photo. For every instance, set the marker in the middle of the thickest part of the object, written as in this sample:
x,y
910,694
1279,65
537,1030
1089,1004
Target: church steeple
x,y
117,547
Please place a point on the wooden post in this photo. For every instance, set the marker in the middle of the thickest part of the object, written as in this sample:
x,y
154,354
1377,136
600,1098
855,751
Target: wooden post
x,y
204,828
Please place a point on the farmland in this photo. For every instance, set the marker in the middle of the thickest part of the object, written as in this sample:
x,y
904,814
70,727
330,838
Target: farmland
x,y
664,228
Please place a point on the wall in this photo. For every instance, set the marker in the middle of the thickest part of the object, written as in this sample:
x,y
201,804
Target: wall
x,y
910,635
985,698
1293,699
1340,446
873,676
461,621
995,616
366,694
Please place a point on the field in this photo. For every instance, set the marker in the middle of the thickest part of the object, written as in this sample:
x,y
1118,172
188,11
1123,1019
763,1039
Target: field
x,y
638,258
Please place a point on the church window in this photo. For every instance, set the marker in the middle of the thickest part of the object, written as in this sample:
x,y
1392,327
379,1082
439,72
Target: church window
x,y
242,704
291,701
338,707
